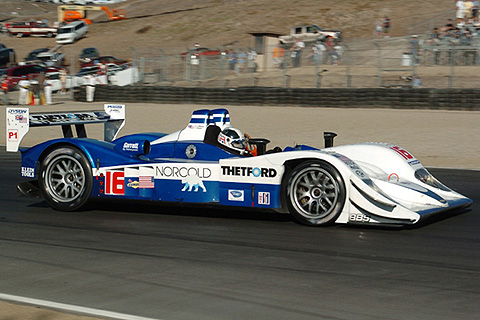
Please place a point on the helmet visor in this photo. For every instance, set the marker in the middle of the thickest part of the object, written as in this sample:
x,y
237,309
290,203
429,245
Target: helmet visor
x,y
238,143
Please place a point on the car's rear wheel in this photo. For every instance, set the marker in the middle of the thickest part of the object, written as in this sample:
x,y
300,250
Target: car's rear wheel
x,y
315,193
49,35
19,35
66,179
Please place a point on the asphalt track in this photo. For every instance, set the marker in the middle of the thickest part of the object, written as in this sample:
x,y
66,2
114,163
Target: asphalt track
x,y
167,262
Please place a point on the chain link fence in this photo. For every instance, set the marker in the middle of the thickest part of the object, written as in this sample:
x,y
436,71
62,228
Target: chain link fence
x,y
353,64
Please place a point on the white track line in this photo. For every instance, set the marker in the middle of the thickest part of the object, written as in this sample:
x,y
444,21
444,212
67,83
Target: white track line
x,y
71,308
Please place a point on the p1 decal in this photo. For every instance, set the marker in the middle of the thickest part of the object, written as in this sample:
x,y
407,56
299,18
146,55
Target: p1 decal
x,y
13,135
114,183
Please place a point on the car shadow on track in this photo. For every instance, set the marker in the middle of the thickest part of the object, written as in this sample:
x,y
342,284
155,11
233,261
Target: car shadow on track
x,y
207,211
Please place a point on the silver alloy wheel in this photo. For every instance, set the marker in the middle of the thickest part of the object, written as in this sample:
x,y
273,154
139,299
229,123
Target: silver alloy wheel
x,y
314,192
65,179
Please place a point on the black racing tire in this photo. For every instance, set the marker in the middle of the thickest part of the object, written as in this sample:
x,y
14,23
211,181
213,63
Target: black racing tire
x,y
315,193
66,179
49,34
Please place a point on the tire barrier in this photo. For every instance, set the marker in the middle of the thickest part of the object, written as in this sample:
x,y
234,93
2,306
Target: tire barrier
x,y
396,98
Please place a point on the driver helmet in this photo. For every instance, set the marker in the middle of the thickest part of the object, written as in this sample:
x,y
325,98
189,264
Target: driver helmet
x,y
233,139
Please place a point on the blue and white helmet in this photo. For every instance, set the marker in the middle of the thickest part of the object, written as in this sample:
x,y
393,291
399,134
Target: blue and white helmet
x,y
233,139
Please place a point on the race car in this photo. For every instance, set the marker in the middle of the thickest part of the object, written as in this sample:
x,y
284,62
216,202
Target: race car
x,y
211,162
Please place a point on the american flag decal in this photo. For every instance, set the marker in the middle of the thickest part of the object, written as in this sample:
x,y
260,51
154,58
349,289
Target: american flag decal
x,y
146,182
21,119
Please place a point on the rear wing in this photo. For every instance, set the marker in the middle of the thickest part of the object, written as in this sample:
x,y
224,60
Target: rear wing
x,y
19,121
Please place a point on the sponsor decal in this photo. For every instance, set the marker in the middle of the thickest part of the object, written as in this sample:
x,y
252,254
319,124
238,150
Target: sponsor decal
x,y
132,184
264,198
63,117
191,151
146,182
182,172
235,195
112,108
413,162
191,176
351,164
358,217
193,183
249,172
132,147
17,111
28,172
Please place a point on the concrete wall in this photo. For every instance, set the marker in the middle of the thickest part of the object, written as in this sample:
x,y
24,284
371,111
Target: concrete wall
x,y
405,98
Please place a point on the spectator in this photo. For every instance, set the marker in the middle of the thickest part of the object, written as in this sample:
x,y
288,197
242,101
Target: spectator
x,y
377,31
338,52
47,87
251,57
475,12
460,12
90,82
434,38
63,80
24,89
414,45
330,49
296,53
232,59
241,61
468,11
386,27
278,56
318,51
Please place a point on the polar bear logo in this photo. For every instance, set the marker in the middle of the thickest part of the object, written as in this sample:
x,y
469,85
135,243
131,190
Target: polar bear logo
x,y
191,182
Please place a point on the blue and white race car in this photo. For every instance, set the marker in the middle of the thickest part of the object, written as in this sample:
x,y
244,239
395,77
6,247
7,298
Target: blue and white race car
x,y
211,162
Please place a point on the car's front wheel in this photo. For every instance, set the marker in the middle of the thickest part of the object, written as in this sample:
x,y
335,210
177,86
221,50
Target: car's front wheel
x,y
315,193
66,179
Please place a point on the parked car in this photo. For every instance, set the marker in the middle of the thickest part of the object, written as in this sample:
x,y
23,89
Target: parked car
x,y
88,54
7,56
32,56
21,29
72,32
309,33
51,59
14,74
103,60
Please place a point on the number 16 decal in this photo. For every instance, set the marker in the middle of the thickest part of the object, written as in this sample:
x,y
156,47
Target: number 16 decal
x,y
404,153
114,183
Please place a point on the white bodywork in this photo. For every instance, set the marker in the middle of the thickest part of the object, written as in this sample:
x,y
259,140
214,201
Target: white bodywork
x,y
380,182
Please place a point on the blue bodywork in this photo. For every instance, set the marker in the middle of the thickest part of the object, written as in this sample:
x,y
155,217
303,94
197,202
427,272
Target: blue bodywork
x,y
117,166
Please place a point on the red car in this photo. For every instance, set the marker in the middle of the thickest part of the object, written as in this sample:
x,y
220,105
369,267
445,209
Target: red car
x,y
14,74
201,51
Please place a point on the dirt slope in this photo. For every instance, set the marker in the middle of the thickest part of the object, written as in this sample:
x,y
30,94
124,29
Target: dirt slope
x,y
176,25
